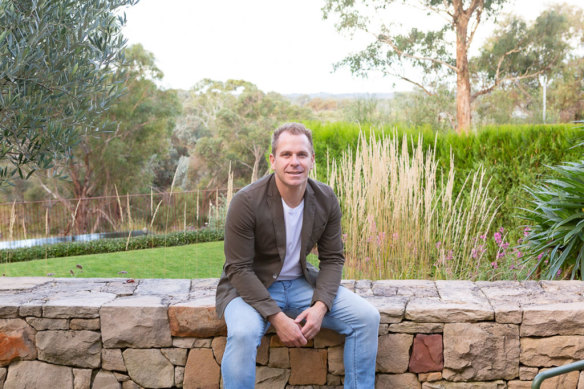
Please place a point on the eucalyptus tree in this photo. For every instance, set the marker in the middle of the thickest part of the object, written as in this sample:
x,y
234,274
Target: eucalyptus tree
x,y
439,51
56,57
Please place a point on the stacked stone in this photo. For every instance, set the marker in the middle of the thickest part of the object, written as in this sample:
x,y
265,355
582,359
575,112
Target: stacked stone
x,y
120,333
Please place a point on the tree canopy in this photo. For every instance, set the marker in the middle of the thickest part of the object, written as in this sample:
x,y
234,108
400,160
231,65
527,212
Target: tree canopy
x,y
441,51
56,58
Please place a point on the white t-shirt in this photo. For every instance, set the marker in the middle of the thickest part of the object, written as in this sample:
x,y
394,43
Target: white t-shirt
x,y
293,220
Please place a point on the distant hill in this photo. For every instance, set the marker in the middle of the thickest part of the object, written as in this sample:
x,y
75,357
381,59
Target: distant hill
x,y
339,96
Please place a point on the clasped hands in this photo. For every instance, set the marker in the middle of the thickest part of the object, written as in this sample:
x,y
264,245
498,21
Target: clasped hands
x,y
295,334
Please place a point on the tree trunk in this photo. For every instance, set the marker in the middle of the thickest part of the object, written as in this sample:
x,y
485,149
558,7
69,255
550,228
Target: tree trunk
x,y
463,112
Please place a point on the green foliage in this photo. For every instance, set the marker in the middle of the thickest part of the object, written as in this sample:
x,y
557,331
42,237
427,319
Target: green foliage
x,y
55,61
67,249
231,122
556,221
512,156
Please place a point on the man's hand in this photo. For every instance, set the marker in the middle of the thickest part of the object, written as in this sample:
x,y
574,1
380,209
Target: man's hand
x,y
288,331
312,318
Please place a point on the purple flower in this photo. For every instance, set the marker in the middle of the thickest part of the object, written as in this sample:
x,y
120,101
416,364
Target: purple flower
x,y
526,231
497,237
494,264
539,256
438,244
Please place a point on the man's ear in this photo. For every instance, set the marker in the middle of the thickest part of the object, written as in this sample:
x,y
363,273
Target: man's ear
x,y
272,159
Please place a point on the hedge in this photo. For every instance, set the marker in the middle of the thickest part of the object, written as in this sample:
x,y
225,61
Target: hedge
x,y
513,156
66,249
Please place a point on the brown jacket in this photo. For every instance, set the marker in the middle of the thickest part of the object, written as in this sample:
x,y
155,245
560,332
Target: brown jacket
x,y
255,245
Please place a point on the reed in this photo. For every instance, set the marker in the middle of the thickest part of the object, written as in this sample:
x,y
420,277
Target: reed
x,y
400,218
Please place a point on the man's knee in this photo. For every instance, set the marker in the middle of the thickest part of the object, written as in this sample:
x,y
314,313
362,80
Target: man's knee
x,y
244,335
371,316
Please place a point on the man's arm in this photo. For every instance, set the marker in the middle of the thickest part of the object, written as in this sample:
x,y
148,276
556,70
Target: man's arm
x,y
331,257
239,249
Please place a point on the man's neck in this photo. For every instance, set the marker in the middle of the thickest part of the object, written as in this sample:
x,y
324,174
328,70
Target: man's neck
x,y
291,196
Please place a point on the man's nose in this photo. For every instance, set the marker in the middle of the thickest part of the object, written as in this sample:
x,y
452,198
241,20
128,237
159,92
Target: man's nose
x,y
294,160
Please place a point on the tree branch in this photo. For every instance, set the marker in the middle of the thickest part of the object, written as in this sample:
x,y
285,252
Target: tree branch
x,y
497,82
386,39
429,93
478,21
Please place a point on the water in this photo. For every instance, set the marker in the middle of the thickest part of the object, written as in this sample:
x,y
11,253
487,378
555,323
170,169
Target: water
x,y
15,244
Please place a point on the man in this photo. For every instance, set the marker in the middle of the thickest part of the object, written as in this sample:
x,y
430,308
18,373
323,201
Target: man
x,y
271,226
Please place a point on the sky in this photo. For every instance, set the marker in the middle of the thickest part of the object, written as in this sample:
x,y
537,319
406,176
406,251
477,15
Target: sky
x,y
280,45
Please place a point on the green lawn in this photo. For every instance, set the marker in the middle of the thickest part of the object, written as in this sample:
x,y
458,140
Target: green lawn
x,y
202,260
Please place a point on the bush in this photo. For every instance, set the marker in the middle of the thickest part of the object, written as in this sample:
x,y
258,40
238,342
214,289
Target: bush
x,y
67,249
513,156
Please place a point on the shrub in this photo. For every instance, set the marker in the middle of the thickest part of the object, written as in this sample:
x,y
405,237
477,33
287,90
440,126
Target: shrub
x,y
67,249
401,220
556,223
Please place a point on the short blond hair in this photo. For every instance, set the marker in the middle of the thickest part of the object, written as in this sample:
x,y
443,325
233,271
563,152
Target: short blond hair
x,y
294,129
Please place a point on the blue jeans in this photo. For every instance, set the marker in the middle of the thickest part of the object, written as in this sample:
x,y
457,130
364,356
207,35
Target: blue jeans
x,y
350,315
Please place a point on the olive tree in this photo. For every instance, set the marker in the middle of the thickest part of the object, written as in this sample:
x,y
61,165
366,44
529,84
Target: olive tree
x,y
56,58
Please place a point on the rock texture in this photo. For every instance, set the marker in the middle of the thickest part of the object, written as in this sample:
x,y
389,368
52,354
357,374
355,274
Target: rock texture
x,y
427,354
493,349
132,334
149,368
17,340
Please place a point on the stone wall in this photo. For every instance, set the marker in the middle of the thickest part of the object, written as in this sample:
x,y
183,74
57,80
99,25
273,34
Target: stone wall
x,y
123,333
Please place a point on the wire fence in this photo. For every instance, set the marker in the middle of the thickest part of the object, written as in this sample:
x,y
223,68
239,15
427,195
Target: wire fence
x,y
152,213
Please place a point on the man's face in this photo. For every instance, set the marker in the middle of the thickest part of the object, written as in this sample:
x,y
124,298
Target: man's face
x,y
293,160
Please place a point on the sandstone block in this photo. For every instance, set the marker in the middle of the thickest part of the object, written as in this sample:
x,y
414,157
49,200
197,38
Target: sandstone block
x,y
553,319
429,377
270,378
405,288
73,348
391,309
507,312
552,351
84,324
435,310
176,356
135,326
427,354
308,366
581,380
201,371
36,374
333,380
3,372
121,377
31,309
519,384
218,346
41,324
149,368
564,381
465,385
527,373
393,353
191,342
412,327
111,359
163,287
105,380
81,378
279,358
328,338
179,376
335,360
188,320
16,341
493,349
397,381
76,304
262,355
383,329
130,385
